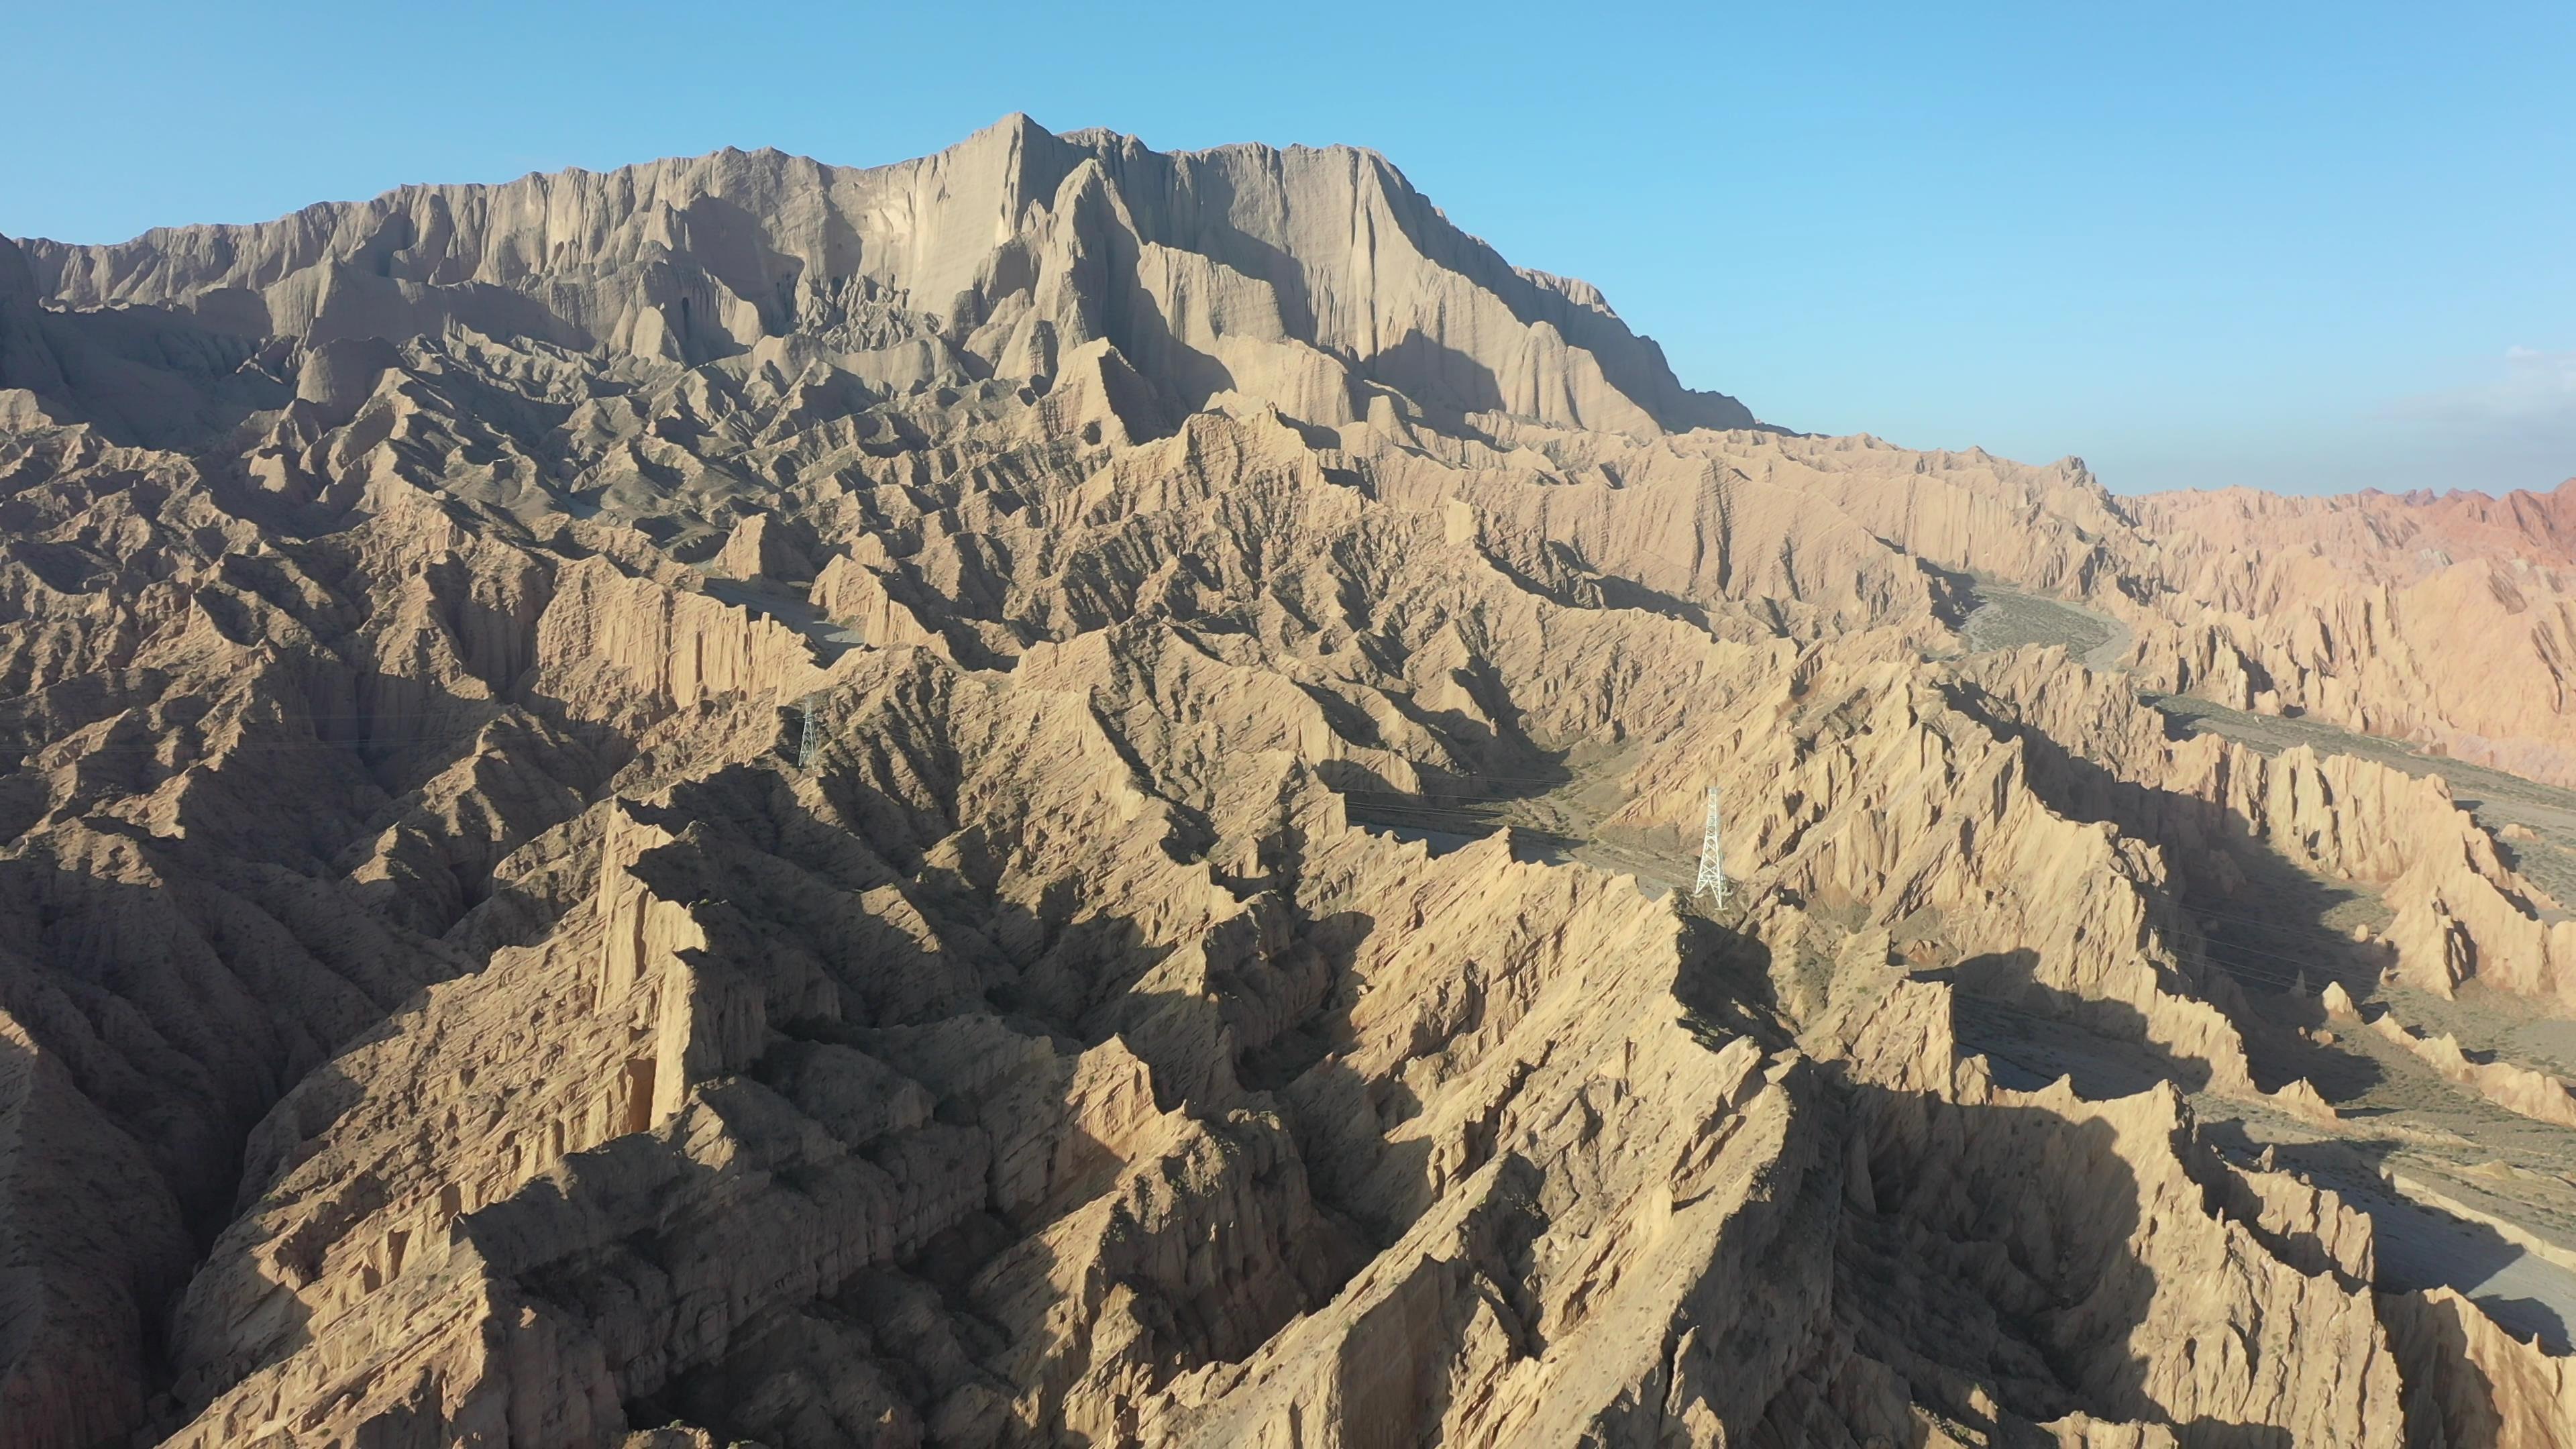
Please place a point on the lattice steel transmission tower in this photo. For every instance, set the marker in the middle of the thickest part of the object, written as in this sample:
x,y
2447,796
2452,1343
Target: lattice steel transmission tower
x,y
1712,857
809,738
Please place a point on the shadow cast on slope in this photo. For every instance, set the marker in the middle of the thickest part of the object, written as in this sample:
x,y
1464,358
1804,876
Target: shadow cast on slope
x,y
2004,1298
2249,918
2220,862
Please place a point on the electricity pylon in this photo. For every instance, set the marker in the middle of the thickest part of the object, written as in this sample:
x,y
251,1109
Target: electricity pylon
x,y
1712,858
810,738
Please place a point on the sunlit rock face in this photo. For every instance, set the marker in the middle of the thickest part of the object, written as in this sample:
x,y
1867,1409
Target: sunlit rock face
x,y
743,801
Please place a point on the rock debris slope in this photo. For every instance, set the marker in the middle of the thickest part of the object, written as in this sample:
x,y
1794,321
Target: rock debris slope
x,y
741,801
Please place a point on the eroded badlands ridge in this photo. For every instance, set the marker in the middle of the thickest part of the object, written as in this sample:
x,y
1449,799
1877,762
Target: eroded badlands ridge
x,y
746,801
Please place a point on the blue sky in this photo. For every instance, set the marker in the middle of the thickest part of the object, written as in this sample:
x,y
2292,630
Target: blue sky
x,y
2308,247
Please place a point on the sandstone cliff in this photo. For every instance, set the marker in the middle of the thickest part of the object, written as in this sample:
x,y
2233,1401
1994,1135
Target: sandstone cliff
x,y
750,802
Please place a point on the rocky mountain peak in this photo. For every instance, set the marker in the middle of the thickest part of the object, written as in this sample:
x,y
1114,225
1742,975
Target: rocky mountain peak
x,y
1313,279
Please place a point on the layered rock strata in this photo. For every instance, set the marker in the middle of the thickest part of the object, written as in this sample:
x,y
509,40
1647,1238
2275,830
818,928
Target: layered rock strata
x,y
727,803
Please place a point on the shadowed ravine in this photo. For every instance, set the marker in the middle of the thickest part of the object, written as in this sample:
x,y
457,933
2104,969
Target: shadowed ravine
x,y
1047,796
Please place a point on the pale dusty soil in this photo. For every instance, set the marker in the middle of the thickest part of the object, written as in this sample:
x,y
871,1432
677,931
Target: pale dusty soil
x,y
2497,799
686,843
1557,819
2401,1117
2418,1123
2008,618
789,606
2422,1248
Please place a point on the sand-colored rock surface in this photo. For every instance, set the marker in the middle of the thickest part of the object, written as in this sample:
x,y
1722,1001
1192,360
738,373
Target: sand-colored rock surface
x,y
744,802
2515,1088
2441,619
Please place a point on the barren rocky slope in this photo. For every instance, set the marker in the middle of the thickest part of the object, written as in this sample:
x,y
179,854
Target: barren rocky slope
x,y
741,801
2448,620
